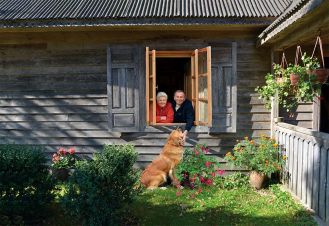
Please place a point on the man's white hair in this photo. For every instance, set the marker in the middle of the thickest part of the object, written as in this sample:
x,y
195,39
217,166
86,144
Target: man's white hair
x,y
162,94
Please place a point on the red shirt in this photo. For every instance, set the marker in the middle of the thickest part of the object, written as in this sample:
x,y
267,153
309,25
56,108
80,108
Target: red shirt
x,y
167,111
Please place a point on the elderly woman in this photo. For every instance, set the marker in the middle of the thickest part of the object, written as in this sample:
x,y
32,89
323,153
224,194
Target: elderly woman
x,y
164,110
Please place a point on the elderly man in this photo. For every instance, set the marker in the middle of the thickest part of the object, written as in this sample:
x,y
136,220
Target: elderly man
x,y
183,111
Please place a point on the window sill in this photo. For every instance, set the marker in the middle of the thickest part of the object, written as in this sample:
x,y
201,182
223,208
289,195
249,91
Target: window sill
x,y
168,127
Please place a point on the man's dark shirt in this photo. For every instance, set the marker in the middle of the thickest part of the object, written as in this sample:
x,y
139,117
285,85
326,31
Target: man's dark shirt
x,y
184,114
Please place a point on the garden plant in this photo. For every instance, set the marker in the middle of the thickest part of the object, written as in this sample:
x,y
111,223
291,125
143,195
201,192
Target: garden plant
x,y
25,184
197,169
99,189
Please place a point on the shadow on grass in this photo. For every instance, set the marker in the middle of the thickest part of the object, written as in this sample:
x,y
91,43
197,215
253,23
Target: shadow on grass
x,y
180,214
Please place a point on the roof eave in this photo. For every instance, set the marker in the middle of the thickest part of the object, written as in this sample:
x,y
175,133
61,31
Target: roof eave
x,y
270,35
142,23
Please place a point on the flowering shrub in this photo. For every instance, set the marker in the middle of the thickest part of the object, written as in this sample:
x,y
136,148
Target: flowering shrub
x,y
262,155
64,159
197,169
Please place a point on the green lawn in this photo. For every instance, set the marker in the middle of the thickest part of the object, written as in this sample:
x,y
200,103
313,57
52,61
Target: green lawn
x,y
240,206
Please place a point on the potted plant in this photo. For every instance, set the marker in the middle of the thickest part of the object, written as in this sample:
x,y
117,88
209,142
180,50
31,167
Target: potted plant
x,y
297,84
261,157
320,73
62,162
307,86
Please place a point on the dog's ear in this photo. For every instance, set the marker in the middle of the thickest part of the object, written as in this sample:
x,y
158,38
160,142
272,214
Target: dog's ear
x,y
179,129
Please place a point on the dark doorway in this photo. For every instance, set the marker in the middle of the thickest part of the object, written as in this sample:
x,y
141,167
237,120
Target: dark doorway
x,y
324,107
171,75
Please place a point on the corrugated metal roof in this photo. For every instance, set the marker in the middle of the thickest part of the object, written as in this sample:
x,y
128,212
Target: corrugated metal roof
x,y
295,5
295,11
11,10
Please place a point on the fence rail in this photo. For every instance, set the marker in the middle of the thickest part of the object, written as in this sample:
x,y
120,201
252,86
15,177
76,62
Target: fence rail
x,y
307,166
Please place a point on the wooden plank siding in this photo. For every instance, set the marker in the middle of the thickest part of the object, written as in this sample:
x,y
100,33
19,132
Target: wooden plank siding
x,y
307,166
54,93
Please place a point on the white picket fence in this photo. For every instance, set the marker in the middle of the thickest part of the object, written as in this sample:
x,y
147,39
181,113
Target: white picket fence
x,y
307,166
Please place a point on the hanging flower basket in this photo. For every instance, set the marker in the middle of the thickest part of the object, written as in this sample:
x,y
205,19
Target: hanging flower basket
x,y
322,74
294,78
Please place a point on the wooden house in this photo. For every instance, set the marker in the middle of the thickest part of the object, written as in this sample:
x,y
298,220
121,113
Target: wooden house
x,y
304,135
85,73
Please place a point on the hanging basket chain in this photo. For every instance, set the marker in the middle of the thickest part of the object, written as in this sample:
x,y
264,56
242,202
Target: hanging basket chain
x,y
298,52
319,41
284,63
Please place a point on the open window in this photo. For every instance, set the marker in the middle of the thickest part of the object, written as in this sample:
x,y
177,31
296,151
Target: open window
x,y
188,70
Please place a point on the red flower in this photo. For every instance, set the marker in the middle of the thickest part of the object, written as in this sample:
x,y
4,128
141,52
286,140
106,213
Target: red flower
x,y
220,172
213,174
209,182
62,151
207,164
205,150
71,151
178,193
202,179
196,152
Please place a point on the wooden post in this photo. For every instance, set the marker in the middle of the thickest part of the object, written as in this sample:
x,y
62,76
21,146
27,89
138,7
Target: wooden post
x,y
316,114
274,103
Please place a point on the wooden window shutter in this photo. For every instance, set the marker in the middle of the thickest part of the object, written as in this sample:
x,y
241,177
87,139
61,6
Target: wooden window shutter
x,y
203,89
150,59
224,87
123,75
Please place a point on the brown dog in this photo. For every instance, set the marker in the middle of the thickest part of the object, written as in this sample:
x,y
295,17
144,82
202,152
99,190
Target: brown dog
x,y
156,173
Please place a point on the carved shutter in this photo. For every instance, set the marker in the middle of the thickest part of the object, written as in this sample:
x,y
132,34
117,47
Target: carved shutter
x,y
224,87
123,88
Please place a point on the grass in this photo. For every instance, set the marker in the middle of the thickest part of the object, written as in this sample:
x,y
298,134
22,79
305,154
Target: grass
x,y
230,202
239,206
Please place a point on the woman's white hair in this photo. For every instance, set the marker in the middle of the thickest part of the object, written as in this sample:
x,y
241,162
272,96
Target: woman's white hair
x,y
162,94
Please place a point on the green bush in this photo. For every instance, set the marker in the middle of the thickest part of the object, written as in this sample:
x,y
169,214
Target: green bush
x,y
99,189
25,183
233,181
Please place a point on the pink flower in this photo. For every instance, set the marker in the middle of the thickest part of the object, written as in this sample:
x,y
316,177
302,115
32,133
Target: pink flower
x,y
207,164
62,151
71,151
196,152
213,174
56,158
220,172
178,193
